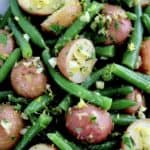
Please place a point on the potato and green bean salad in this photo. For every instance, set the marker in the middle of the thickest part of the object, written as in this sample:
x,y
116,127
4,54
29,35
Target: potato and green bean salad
x,y
75,75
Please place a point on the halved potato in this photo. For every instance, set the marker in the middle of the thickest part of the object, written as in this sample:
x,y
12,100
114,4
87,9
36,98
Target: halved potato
x,y
76,60
139,133
42,147
40,7
64,16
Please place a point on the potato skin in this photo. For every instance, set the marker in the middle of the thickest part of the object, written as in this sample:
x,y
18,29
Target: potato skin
x,y
72,10
26,81
120,27
89,123
6,49
136,96
66,55
145,56
9,139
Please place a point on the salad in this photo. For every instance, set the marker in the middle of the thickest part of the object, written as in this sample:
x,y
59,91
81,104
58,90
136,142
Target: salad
x,y
75,75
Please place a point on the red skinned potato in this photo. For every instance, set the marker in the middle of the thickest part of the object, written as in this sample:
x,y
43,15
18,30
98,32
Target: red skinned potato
x,y
11,124
64,17
43,147
136,96
117,26
89,123
76,60
6,43
40,7
139,133
145,56
28,79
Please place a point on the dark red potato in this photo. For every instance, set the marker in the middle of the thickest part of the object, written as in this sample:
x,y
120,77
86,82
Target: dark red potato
x,y
139,133
118,26
40,7
28,79
136,96
145,56
76,60
89,123
6,43
11,124
43,147
72,9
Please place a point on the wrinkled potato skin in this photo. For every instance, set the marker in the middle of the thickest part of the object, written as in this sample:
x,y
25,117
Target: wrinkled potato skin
x,y
8,48
27,82
64,16
136,96
8,140
89,131
117,34
145,56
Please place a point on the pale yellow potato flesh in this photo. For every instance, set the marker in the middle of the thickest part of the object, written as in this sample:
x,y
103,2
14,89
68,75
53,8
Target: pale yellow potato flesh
x,y
40,7
64,16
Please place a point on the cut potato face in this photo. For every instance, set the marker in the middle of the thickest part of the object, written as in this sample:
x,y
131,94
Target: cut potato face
x,y
139,133
40,7
76,60
64,16
42,147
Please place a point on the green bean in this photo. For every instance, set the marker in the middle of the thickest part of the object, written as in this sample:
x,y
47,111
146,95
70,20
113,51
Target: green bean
x,y
147,10
85,4
123,91
65,103
13,99
26,26
146,22
106,51
4,20
131,16
122,119
145,76
9,63
109,145
3,58
122,104
92,78
4,94
76,89
129,3
78,25
24,45
134,44
37,105
41,123
131,76
59,141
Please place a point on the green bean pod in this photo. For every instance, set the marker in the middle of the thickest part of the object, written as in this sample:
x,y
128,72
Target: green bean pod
x,y
9,63
37,105
24,45
42,122
76,89
4,94
26,26
134,44
122,119
146,22
5,18
131,16
59,141
122,104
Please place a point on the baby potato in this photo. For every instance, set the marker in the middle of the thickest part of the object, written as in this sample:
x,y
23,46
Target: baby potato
x,y
64,17
11,124
76,60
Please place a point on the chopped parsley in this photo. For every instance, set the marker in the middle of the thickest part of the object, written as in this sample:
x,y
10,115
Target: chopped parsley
x,y
3,38
57,29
